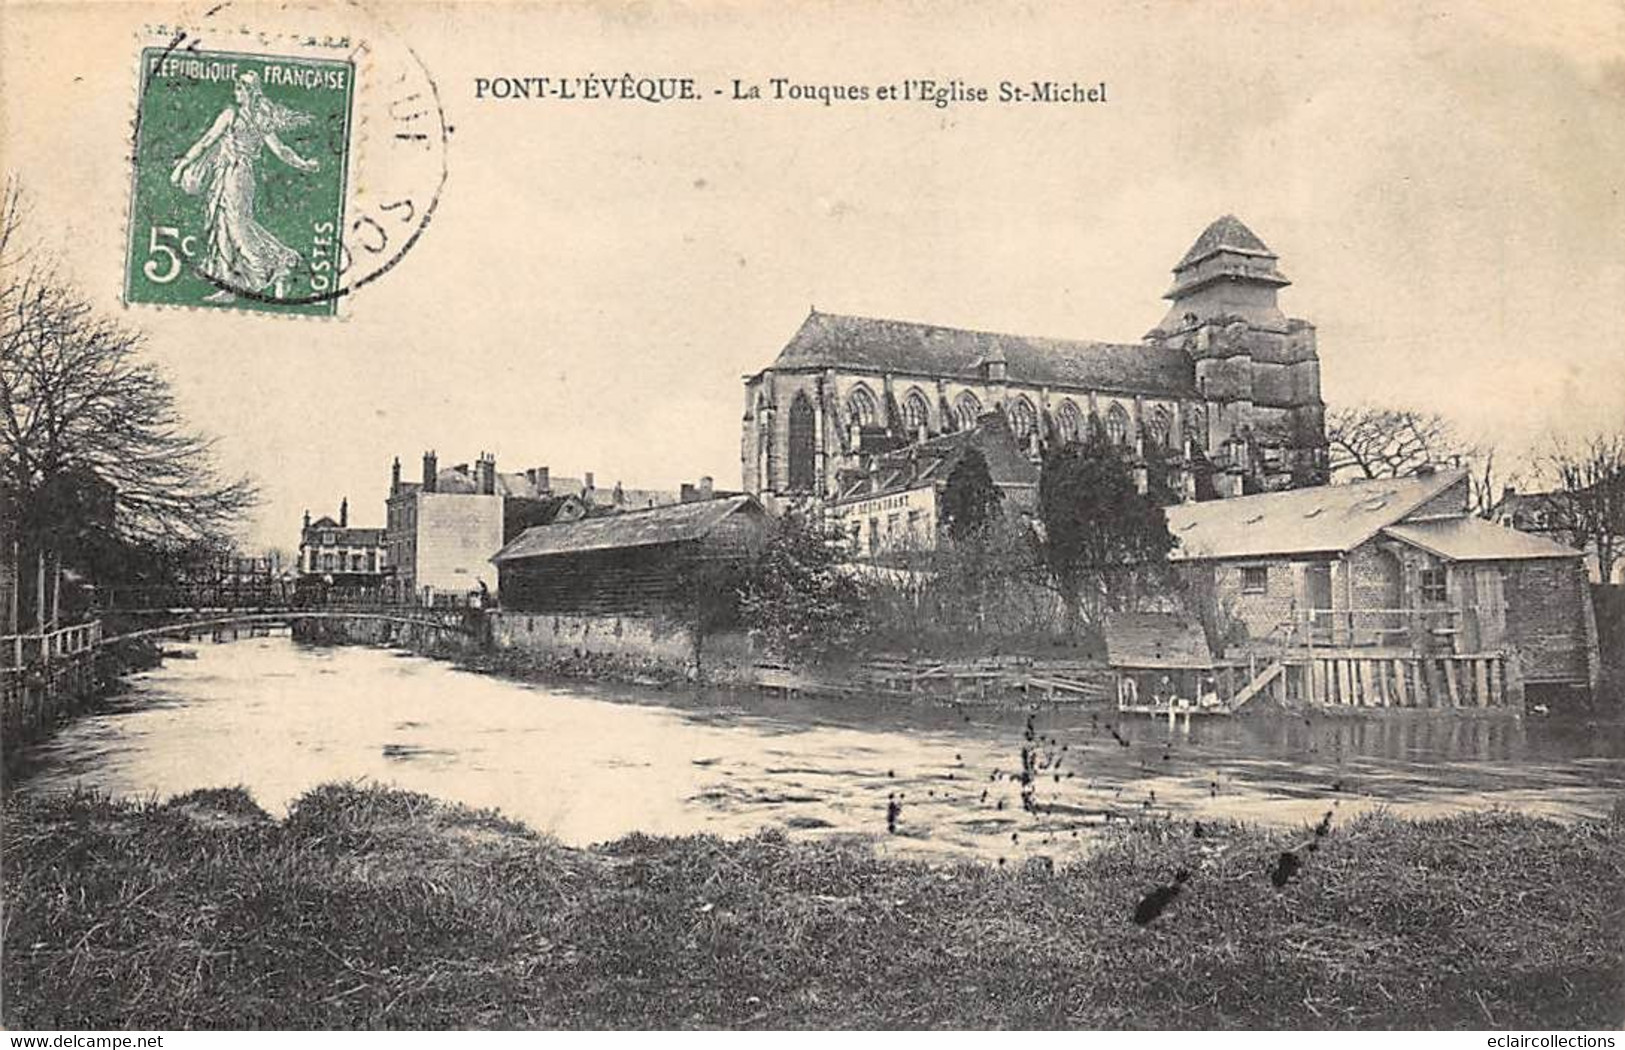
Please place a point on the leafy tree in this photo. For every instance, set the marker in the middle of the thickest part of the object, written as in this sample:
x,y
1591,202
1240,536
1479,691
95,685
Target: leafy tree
x,y
1101,536
970,500
799,600
707,599
1159,474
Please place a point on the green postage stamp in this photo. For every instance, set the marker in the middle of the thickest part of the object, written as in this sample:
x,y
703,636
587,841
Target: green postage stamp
x,y
237,197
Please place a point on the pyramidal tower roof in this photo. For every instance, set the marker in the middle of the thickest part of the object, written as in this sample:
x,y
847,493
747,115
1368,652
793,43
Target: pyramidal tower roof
x,y
1226,233
1226,250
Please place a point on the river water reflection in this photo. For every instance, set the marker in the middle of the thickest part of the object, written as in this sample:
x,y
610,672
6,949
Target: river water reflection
x,y
588,764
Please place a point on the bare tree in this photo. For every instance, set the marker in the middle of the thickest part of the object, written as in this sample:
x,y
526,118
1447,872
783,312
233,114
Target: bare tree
x,y
1588,503
1390,442
90,439
1485,484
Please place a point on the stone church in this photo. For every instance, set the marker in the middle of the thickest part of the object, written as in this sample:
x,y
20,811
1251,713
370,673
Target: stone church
x,y
1224,393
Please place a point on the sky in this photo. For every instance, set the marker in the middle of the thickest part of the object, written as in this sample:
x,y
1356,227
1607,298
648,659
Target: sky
x,y
1442,187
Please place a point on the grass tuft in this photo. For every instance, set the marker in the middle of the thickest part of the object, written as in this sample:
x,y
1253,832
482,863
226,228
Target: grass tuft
x,y
375,908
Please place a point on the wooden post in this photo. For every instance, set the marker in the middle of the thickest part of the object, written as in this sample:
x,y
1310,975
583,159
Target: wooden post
x,y
1482,682
1495,681
1399,683
1450,678
39,591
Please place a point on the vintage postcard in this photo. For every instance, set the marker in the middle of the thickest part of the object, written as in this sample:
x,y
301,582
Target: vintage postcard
x,y
897,516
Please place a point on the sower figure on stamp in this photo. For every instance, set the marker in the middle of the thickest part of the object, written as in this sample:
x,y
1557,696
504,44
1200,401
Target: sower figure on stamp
x,y
242,254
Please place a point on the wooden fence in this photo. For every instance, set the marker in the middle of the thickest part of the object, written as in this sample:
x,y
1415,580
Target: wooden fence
x,y
24,650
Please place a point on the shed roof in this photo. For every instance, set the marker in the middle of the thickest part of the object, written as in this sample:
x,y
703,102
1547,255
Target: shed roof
x,y
1324,519
878,345
1474,539
1156,640
638,528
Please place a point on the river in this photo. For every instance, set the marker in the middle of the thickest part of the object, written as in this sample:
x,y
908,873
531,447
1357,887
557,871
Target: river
x,y
592,763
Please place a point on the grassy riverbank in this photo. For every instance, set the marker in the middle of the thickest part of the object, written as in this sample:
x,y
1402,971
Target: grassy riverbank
x,y
370,907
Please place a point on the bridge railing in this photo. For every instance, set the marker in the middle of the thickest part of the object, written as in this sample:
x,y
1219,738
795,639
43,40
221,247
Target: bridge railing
x,y
25,650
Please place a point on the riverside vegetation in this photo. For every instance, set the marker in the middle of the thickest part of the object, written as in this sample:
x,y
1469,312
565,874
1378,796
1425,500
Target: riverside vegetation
x,y
369,907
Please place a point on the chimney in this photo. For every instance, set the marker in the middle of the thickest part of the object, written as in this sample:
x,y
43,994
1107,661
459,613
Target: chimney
x,y
586,482
344,513
431,468
485,474
544,484
395,476
707,487
687,493
307,519
620,494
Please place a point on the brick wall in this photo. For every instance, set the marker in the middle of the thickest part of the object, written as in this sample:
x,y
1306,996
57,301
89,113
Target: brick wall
x,y
1261,612
1546,620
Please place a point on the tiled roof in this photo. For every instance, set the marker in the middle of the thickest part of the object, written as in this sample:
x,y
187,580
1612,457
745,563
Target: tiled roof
x,y
1155,640
509,484
1474,539
1325,519
639,528
1226,233
634,499
932,461
907,348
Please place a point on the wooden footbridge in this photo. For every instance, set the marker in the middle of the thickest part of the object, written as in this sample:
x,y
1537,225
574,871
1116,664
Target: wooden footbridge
x,y
46,672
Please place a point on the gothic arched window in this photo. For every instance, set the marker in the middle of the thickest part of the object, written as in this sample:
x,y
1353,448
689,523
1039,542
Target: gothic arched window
x,y
1069,421
862,408
1023,417
967,410
802,444
1117,424
1159,428
916,413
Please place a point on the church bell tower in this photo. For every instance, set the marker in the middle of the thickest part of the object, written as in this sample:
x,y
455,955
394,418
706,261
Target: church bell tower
x,y
1256,369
